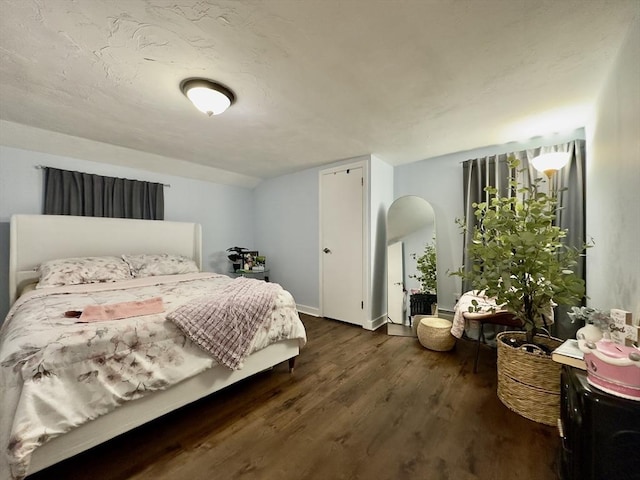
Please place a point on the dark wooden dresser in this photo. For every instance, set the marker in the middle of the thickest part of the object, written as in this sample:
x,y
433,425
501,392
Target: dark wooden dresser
x,y
600,432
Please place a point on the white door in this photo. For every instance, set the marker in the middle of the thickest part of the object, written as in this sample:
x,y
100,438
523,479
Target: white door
x,y
395,284
341,210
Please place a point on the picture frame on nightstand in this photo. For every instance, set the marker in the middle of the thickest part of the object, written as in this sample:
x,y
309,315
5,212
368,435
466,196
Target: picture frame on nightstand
x,y
248,259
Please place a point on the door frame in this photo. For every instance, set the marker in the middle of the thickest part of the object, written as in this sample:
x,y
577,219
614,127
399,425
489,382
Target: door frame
x,y
366,263
390,285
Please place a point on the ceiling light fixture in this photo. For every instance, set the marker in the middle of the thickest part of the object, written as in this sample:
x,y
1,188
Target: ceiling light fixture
x,y
550,163
209,97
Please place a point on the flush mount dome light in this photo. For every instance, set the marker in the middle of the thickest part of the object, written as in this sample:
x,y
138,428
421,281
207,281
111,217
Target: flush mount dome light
x,y
209,97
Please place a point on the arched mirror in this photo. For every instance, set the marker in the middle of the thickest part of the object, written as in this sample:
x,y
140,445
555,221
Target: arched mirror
x,y
411,262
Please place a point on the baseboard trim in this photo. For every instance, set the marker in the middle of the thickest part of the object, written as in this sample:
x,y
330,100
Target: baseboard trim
x,y
314,312
375,323
367,325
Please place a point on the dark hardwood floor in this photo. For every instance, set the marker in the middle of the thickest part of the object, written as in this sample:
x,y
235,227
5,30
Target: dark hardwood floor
x,y
360,405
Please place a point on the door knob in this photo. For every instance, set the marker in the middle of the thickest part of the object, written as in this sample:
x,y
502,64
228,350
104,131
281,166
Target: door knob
x,y
326,250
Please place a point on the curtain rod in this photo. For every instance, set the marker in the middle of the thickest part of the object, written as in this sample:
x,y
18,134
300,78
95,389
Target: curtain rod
x,y
40,167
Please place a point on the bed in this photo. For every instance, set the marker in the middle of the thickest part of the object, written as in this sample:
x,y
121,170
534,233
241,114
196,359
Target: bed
x,y
170,369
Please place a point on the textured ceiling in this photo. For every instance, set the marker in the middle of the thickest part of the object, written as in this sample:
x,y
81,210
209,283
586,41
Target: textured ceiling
x,y
316,80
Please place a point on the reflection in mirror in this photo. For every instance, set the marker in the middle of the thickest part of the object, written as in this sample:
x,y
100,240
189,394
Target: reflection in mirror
x,y
411,242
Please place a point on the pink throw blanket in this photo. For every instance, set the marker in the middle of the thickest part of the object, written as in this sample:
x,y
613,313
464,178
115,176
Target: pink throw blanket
x,y
116,311
225,323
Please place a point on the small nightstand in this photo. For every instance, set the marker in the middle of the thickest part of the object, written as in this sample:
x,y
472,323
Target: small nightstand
x,y
257,274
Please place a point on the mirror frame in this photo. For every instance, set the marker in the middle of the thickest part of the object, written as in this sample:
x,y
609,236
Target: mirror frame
x,y
410,220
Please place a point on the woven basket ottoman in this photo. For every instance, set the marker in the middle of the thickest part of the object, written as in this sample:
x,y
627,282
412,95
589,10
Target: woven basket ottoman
x,y
434,333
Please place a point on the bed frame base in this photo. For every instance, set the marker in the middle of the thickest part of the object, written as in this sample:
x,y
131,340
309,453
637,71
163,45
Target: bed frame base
x,y
140,411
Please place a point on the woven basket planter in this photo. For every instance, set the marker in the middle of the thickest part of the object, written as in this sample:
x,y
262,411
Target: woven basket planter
x,y
529,384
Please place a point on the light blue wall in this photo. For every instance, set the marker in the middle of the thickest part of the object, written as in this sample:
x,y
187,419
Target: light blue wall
x,y
287,229
280,217
381,198
225,212
613,186
287,232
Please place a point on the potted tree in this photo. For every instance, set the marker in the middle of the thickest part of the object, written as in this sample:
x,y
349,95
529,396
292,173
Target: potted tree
x,y
518,257
423,302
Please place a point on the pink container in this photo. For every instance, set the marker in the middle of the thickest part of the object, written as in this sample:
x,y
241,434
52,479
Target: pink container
x,y
613,368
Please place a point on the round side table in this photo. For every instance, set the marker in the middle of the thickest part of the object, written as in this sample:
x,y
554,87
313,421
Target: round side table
x,y
434,333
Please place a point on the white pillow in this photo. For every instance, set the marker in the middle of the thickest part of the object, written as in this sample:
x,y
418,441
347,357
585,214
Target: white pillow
x,y
80,270
150,265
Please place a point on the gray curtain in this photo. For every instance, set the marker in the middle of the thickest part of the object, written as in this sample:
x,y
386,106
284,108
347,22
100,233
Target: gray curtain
x,y
494,171
84,194
479,173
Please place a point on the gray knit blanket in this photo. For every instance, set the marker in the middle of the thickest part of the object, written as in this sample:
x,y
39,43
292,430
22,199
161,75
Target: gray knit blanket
x,y
225,323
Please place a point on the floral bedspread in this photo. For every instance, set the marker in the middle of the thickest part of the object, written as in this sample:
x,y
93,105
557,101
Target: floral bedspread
x,y
56,373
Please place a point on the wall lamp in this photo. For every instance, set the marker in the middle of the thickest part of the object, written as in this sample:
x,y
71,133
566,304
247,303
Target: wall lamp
x,y
208,96
550,163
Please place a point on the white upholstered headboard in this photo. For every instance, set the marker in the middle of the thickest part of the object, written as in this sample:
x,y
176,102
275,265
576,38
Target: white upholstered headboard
x,y
37,238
